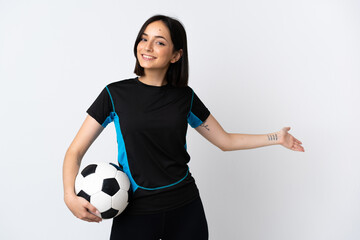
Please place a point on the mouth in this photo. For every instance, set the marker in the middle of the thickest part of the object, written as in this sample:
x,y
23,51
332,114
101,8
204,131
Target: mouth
x,y
147,57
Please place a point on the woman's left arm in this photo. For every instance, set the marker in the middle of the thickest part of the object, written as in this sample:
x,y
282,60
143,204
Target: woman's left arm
x,y
214,133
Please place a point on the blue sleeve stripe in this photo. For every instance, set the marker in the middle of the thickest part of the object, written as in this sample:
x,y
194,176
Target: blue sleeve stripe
x,y
111,98
108,120
193,120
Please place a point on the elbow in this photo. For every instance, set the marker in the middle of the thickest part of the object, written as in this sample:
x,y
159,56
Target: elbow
x,y
74,153
226,143
224,148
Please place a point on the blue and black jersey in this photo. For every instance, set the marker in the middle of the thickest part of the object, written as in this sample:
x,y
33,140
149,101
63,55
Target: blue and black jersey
x,y
151,124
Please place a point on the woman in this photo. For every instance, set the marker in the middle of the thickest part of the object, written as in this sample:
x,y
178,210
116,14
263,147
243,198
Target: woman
x,y
151,113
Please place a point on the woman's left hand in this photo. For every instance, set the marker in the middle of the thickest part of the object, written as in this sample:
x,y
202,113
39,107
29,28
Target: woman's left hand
x,y
288,141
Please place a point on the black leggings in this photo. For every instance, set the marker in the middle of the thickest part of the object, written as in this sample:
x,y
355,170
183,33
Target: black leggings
x,y
187,222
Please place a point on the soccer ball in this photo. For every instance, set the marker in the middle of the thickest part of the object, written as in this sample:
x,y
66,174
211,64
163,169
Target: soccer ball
x,y
105,186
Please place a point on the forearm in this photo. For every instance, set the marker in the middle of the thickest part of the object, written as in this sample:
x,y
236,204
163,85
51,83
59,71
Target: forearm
x,y
237,141
212,131
71,167
87,134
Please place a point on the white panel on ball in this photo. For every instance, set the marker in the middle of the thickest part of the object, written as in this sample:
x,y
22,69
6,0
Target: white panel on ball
x,y
120,200
105,170
123,180
101,201
92,184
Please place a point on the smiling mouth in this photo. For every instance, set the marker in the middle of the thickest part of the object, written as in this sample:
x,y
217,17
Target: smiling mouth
x,y
147,57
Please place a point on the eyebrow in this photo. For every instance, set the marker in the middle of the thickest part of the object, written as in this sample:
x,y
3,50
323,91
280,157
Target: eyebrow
x,y
156,36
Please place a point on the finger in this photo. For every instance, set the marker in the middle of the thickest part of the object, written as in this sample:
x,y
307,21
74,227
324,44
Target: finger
x,y
97,213
90,220
297,147
95,217
92,217
87,216
91,212
286,129
301,148
88,206
92,209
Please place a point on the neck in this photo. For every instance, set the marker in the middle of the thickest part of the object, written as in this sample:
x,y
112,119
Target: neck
x,y
154,78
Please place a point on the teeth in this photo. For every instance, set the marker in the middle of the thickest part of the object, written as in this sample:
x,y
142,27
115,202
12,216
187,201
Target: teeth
x,y
148,57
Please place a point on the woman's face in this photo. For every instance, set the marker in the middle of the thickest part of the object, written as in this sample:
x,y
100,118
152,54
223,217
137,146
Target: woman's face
x,y
155,50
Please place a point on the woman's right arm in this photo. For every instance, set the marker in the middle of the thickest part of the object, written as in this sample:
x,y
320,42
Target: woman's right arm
x,y
87,134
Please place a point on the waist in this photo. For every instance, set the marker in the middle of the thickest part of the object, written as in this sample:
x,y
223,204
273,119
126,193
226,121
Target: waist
x,y
147,202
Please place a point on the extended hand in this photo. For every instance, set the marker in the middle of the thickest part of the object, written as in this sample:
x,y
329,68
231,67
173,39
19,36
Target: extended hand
x,y
288,141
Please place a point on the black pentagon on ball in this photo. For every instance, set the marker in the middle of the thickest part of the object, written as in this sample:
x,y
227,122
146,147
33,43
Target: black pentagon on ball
x,y
88,170
109,213
84,195
110,186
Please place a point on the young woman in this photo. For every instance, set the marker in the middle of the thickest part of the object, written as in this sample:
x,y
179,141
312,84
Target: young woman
x,y
151,113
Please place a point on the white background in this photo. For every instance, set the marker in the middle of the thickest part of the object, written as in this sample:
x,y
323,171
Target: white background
x,y
257,65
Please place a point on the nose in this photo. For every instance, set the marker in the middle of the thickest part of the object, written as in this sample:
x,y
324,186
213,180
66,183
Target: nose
x,y
148,46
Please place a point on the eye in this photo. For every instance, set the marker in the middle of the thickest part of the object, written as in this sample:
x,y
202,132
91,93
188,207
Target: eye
x,y
160,43
143,40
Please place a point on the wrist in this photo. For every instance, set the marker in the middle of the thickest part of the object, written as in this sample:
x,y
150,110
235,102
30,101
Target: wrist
x,y
274,138
69,195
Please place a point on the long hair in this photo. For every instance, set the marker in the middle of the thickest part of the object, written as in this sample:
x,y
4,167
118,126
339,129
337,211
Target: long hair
x,y
178,73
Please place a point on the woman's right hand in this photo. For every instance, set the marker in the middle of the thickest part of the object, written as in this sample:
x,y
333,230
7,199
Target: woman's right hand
x,y
82,209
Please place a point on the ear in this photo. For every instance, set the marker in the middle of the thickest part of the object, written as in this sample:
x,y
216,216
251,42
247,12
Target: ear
x,y
177,55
